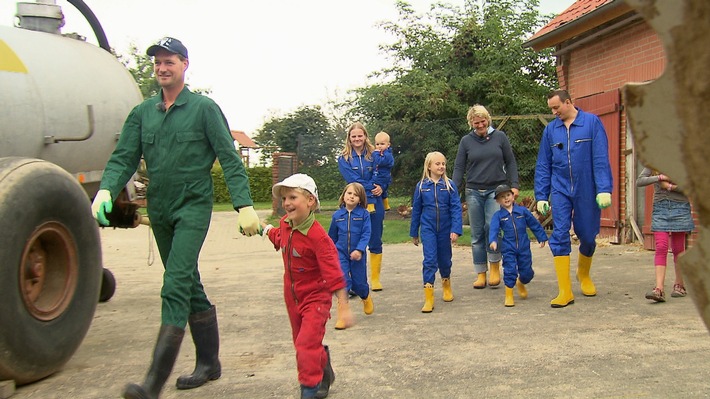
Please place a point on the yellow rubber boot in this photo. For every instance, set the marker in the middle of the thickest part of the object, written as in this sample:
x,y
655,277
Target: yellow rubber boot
x,y
480,281
428,298
522,291
386,203
494,278
565,296
375,267
367,305
340,323
448,294
585,282
371,208
509,302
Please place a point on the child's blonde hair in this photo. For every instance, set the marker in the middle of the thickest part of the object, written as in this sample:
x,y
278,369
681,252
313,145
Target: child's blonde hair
x,y
384,136
359,191
301,191
348,148
427,174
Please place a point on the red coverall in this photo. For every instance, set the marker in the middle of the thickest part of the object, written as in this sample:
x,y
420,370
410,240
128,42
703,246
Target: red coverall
x,y
311,274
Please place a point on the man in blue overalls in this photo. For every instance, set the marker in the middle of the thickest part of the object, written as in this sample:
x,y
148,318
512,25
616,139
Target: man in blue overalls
x,y
574,175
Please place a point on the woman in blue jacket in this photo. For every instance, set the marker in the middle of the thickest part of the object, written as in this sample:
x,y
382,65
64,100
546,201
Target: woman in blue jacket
x,y
356,165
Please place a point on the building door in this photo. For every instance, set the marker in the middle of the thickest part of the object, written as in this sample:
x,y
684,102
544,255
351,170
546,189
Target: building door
x,y
607,107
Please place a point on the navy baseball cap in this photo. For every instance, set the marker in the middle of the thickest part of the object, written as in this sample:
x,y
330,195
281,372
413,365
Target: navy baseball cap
x,y
503,188
170,44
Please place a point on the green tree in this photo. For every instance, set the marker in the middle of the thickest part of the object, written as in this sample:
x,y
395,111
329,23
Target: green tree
x,y
306,131
445,61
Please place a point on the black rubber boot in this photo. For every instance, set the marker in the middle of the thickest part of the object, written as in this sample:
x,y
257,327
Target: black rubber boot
x,y
328,377
309,392
164,355
205,335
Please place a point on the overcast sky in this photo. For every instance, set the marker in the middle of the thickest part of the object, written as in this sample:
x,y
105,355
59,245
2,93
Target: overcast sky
x,y
259,58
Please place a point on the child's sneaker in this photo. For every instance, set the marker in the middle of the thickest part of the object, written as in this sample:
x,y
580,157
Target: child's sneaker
x,y
657,295
678,291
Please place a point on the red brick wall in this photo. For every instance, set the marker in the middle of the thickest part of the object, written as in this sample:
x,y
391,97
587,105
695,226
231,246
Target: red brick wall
x,y
633,55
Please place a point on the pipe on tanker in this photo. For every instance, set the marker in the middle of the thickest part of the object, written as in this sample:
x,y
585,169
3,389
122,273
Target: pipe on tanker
x,y
93,22
92,125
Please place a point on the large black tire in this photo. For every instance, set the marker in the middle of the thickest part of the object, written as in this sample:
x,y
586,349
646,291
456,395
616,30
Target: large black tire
x,y
51,270
108,286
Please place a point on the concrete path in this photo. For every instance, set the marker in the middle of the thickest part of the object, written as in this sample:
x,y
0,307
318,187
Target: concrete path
x,y
614,345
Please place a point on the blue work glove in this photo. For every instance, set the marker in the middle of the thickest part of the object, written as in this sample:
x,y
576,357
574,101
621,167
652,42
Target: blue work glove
x,y
101,206
543,207
603,200
249,224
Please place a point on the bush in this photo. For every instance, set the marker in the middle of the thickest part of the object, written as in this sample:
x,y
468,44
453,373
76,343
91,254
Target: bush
x,y
330,182
259,184
220,193
328,179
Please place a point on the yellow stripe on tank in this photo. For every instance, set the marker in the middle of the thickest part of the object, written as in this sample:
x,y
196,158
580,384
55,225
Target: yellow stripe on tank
x,y
9,61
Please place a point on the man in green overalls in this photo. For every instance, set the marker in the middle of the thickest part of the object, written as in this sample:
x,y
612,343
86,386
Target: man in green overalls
x,y
179,134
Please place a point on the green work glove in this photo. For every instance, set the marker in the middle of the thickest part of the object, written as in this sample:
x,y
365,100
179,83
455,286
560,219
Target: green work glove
x,y
543,207
249,221
603,200
101,206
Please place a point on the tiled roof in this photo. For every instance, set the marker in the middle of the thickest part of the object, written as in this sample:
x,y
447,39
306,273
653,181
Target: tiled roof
x,y
243,139
575,11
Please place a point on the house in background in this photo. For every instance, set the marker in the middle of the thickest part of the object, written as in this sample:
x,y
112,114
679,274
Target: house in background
x,y
243,144
599,46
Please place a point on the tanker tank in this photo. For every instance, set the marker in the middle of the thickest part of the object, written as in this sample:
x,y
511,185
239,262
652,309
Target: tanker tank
x,y
63,101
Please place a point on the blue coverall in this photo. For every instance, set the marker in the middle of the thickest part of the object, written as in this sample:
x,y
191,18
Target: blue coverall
x,y
359,170
572,168
382,175
436,213
351,231
514,243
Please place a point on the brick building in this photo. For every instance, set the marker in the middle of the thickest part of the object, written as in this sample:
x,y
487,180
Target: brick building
x,y
600,45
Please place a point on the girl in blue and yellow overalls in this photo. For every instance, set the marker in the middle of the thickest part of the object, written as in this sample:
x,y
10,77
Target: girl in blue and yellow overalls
x,y
436,211
350,231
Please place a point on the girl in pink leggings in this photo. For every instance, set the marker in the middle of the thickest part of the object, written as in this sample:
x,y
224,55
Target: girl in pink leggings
x,y
671,221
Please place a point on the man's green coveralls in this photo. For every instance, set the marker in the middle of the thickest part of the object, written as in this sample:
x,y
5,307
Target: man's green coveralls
x,y
179,146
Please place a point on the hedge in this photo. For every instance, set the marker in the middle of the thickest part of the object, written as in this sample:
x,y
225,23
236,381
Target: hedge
x,y
330,182
259,183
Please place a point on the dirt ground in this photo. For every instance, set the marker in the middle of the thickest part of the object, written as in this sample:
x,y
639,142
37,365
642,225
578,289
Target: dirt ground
x,y
614,345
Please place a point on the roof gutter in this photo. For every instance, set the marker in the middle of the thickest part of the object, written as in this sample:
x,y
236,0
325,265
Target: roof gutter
x,y
632,19
599,16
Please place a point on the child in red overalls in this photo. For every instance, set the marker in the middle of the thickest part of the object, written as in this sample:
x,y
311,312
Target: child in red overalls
x,y
309,281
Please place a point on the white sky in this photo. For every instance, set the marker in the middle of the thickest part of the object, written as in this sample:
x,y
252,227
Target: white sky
x,y
259,58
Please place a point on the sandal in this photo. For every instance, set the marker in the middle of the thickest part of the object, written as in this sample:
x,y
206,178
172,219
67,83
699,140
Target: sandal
x,y
678,291
657,295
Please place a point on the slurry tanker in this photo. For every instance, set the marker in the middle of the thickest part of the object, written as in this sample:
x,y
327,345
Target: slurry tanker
x,y
63,102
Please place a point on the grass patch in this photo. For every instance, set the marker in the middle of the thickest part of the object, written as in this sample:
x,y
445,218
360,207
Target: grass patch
x,y
396,229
